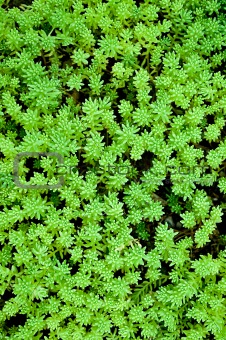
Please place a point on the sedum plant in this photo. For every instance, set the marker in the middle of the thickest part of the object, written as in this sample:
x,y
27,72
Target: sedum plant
x,y
132,96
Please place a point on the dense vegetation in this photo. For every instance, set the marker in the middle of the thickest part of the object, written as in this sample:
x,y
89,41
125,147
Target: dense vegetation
x,y
125,238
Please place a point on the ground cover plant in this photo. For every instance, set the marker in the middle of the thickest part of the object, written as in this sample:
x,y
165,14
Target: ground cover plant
x,y
112,169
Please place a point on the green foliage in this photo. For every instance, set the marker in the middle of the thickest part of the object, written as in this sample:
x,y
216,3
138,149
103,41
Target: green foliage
x,y
173,203
132,96
141,231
